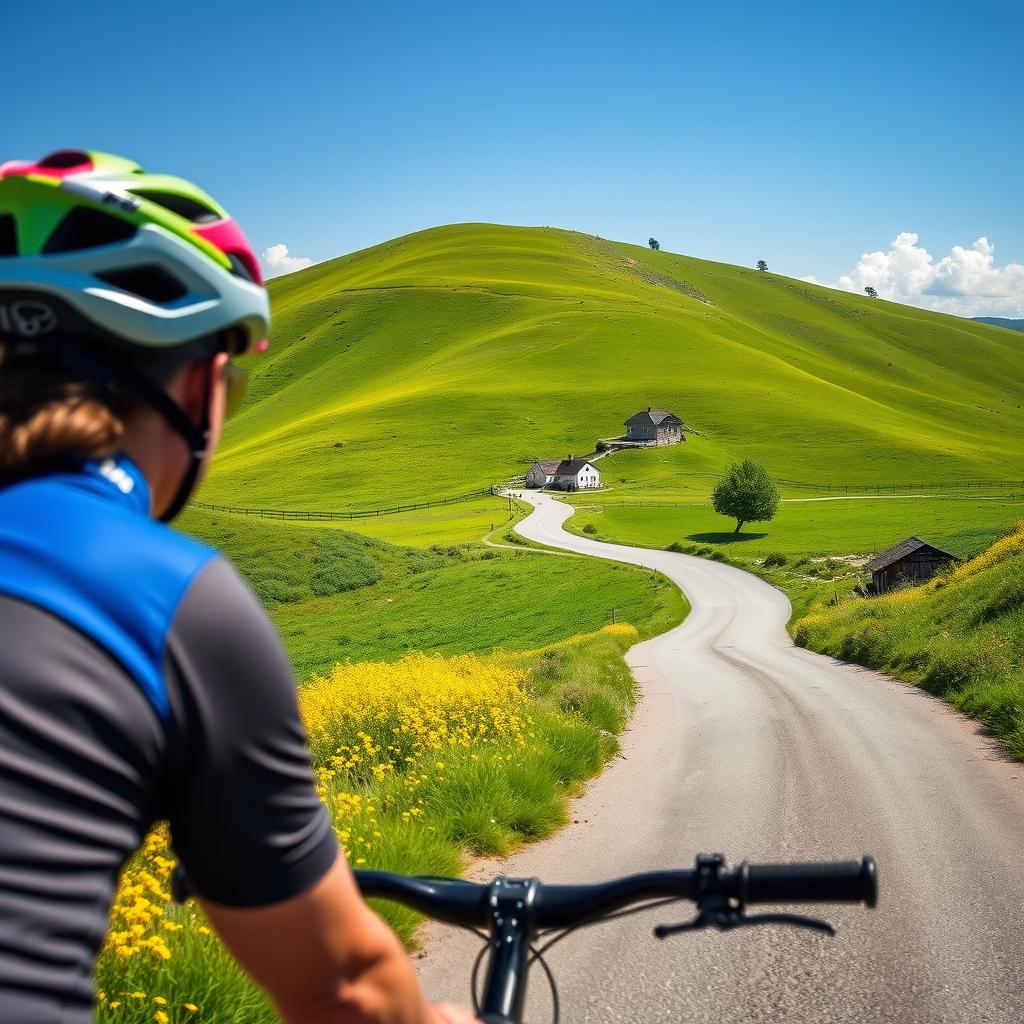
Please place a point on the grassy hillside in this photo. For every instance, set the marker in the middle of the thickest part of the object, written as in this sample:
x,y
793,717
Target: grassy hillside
x,y
337,596
446,360
960,636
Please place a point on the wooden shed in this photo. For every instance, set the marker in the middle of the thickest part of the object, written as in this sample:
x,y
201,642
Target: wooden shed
x,y
910,562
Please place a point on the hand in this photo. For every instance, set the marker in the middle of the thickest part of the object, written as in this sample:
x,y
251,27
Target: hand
x,y
449,1013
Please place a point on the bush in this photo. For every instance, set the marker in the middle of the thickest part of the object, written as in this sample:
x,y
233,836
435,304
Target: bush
x,y
590,529
776,558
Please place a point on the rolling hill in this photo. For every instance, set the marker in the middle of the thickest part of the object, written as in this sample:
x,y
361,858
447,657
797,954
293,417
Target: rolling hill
x,y
446,360
1000,321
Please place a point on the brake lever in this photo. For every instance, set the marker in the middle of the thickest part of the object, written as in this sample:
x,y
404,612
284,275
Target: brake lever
x,y
730,919
715,910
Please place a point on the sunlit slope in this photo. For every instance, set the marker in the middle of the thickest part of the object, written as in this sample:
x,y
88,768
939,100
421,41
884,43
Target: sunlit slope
x,y
449,359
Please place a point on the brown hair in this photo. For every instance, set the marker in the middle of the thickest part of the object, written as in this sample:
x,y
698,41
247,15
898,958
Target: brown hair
x,y
49,416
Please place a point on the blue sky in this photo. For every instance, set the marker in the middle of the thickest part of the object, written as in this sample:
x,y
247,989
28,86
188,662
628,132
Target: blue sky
x,y
805,134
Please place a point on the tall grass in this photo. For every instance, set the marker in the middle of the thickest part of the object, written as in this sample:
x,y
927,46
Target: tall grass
x,y
421,763
961,636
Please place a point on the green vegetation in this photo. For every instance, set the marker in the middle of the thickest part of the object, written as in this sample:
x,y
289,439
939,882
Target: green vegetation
x,y
420,763
961,637
809,527
423,367
746,493
814,548
337,596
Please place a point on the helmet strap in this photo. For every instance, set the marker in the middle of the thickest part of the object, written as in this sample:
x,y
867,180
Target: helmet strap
x,y
195,435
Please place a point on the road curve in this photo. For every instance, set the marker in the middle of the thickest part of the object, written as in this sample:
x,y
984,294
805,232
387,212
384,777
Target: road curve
x,y
745,744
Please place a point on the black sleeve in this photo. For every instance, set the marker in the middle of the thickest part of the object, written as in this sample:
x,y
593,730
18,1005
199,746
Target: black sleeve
x,y
245,818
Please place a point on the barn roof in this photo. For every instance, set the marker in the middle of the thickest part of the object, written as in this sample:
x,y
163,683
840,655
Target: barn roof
x,y
547,465
655,416
901,550
570,467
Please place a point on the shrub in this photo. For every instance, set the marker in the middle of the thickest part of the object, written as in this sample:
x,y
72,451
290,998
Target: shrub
x,y
590,529
776,558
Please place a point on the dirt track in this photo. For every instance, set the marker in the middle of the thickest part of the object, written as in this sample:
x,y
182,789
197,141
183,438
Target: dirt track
x,y
747,745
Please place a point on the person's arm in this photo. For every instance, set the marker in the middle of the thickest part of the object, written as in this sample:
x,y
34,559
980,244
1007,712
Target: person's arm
x,y
326,958
252,833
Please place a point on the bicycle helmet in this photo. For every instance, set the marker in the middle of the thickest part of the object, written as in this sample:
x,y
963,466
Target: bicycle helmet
x,y
93,246
103,267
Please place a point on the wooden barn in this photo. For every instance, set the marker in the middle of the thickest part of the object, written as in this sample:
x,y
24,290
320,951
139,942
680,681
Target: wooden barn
x,y
655,426
910,562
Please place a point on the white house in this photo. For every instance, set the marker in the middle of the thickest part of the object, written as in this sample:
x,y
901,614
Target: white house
x,y
541,473
575,475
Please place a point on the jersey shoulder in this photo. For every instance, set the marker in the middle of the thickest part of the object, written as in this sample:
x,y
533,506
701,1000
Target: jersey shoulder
x,y
106,569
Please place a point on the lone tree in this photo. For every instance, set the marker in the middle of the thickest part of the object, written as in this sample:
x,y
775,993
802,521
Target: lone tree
x,y
747,493
762,266
870,292
654,243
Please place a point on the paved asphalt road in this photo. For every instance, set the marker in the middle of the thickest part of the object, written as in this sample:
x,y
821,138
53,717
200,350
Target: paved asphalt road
x,y
744,744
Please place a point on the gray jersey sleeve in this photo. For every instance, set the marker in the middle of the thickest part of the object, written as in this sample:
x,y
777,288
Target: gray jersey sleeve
x,y
245,818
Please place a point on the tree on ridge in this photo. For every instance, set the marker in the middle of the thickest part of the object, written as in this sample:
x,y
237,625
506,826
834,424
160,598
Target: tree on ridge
x,y
870,292
762,266
654,243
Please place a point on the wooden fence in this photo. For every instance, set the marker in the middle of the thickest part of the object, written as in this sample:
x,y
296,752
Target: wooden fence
x,y
318,516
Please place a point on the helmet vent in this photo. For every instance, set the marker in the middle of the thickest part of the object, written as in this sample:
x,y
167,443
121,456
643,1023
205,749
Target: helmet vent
x,y
149,282
239,267
84,228
65,158
183,206
8,235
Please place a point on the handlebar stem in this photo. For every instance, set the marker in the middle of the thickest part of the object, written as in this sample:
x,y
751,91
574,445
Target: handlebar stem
x,y
511,904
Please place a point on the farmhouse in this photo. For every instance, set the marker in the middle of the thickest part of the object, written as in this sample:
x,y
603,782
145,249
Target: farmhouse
x,y
541,473
655,426
575,475
912,561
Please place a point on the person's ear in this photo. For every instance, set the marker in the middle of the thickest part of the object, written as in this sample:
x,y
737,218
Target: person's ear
x,y
200,385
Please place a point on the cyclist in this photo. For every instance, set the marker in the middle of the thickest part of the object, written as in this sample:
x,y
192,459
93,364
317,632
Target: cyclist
x,y
139,678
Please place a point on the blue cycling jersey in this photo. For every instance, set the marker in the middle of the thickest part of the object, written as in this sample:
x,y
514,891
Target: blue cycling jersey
x,y
82,546
139,680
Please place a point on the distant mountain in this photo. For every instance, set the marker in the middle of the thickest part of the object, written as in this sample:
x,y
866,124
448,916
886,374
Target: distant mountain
x,y
1000,321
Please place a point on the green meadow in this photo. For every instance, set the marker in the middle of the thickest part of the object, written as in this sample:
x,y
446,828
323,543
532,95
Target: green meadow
x,y
339,596
808,526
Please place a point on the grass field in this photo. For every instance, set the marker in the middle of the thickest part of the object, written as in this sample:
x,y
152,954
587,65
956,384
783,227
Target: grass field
x,y
961,636
446,360
813,527
337,596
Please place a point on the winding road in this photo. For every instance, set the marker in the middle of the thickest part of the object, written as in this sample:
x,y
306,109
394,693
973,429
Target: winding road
x,y
747,745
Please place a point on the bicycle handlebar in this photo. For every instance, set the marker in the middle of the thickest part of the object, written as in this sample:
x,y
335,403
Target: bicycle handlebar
x,y
514,910
469,904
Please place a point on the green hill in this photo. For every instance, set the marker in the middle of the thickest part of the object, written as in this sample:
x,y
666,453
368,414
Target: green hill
x,y
960,636
446,360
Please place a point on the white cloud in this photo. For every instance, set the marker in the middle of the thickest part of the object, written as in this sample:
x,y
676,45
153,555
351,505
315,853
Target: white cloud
x,y
277,261
966,282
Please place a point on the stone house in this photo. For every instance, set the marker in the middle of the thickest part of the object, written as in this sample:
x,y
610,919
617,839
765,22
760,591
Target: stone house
x,y
655,426
541,473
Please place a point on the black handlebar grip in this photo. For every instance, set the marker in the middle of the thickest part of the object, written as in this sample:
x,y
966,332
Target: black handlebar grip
x,y
853,881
